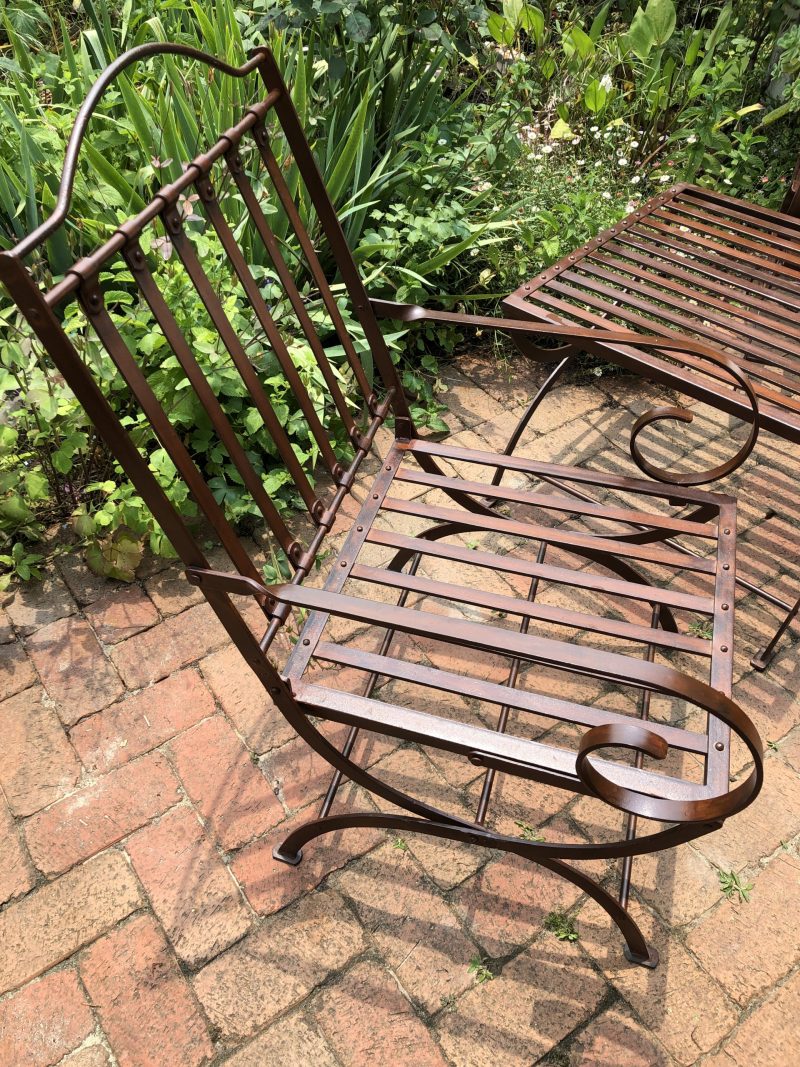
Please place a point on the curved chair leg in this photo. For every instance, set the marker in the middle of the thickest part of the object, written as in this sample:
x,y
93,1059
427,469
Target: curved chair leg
x,y
636,947
533,407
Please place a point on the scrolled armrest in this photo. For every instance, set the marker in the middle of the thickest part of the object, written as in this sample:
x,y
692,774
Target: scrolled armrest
x,y
596,340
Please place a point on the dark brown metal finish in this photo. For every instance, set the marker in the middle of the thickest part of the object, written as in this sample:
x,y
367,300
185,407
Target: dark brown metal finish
x,y
691,264
535,613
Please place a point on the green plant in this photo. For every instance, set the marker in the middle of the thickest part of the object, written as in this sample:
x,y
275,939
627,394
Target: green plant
x,y
479,969
702,628
528,832
21,564
732,886
561,925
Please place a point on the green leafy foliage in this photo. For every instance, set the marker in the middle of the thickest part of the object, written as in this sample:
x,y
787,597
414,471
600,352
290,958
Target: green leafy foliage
x,y
480,970
734,887
466,145
561,926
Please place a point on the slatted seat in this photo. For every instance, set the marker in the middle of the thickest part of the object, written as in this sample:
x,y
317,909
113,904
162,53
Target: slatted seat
x,y
569,627
693,263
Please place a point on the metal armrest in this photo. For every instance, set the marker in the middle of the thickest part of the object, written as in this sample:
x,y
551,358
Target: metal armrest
x,y
597,341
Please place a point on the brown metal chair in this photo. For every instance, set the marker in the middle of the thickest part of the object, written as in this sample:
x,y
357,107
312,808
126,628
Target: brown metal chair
x,y
545,629
692,263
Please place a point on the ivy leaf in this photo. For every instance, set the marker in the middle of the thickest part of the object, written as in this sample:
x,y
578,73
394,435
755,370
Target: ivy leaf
x,y
116,556
36,486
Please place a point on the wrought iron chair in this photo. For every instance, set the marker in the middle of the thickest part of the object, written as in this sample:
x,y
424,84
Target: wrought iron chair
x,y
587,697
693,263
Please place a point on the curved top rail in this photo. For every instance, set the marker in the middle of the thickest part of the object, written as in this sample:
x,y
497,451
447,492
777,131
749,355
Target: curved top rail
x,y
76,137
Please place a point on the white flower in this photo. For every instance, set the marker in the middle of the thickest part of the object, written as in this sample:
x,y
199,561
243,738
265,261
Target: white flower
x,y
442,140
663,178
599,163
622,161
575,140
630,206
547,149
606,83
593,129
580,162
606,195
727,181
635,179
691,139
634,144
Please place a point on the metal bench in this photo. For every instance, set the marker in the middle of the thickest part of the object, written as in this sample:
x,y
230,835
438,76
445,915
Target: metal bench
x,y
545,628
693,264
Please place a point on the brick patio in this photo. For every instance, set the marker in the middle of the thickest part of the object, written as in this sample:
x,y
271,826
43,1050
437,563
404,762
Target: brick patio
x,y
146,777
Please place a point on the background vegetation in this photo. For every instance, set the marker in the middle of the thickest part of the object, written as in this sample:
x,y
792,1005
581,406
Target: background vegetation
x,y
465,144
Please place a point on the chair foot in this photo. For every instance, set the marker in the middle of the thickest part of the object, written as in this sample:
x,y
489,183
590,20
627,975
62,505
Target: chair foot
x,y
650,960
764,656
292,858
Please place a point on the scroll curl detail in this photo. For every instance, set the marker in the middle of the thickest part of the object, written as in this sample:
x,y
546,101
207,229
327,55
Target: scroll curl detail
x,y
640,738
678,414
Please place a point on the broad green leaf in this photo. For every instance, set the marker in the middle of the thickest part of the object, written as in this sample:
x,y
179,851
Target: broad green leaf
x,y
512,9
532,21
640,38
560,130
599,21
582,42
595,96
720,26
500,28
358,27
661,15
36,486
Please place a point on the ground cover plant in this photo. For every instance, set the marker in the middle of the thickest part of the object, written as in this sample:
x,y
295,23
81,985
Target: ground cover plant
x,y
465,145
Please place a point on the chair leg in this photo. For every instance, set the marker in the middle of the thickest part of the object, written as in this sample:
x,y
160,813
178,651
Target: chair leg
x,y
762,659
636,948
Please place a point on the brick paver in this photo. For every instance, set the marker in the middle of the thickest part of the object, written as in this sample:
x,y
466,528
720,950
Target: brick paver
x,y
193,895
73,669
58,918
224,784
121,613
44,1021
142,721
37,763
145,777
144,1003
93,818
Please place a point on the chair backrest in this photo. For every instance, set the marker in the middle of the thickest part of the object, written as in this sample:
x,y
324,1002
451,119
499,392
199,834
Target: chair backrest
x,y
228,323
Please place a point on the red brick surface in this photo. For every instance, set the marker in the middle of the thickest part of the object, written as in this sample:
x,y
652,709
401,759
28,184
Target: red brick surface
x,y
57,919
37,763
193,895
161,651
73,669
143,1001
367,1021
228,790
93,818
16,670
142,721
44,1021
16,872
121,613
